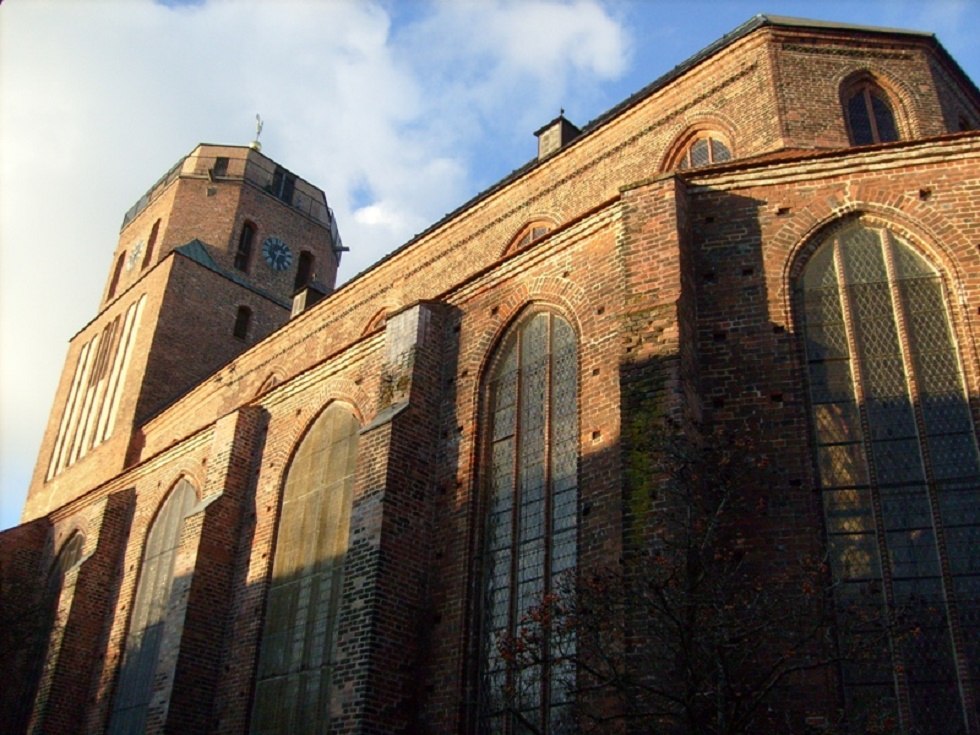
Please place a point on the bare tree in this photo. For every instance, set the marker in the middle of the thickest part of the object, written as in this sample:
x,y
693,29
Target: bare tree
x,y
702,628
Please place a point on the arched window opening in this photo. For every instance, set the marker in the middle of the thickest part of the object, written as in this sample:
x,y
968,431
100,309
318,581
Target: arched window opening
x,y
268,384
530,542
242,321
44,639
243,256
870,118
529,234
149,613
296,661
116,273
148,255
377,321
69,556
703,149
898,469
304,270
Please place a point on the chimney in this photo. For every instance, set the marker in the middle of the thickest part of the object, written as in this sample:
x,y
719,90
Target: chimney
x,y
555,135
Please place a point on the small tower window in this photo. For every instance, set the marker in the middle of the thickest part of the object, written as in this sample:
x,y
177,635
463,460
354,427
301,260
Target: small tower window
x,y
220,166
870,118
148,256
116,273
283,184
304,270
244,255
242,322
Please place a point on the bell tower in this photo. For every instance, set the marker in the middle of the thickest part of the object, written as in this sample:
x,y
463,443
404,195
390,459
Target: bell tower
x,y
207,264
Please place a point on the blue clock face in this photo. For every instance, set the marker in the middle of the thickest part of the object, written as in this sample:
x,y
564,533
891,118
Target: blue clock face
x,y
276,253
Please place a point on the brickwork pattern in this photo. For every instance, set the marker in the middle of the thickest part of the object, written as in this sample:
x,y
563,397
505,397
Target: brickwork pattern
x,y
677,286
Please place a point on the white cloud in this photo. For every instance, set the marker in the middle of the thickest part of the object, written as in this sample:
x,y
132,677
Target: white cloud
x,y
98,98
549,39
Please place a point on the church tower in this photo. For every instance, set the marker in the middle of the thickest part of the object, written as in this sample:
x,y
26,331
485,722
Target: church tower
x,y
209,261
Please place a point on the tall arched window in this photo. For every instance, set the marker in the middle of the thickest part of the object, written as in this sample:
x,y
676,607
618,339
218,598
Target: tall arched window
x,y
46,632
116,273
149,613
869,115
530,542
899,474
292,688
243,256
151,244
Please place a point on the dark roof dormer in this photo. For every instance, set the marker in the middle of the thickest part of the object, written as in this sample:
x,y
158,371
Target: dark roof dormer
x,y
555,135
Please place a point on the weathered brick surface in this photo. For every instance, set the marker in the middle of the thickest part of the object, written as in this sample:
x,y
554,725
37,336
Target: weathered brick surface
x,y
24,612
678,287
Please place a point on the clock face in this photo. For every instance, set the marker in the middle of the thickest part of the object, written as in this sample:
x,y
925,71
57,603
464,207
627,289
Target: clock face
x,y
134,255
276,253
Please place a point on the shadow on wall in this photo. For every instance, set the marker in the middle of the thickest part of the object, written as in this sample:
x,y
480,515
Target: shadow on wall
x,y
26,618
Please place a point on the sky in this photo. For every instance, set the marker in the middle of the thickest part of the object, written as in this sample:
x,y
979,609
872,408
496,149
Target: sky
x,y
399,110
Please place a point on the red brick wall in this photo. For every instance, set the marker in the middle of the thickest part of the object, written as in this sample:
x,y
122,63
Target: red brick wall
x,y
678,289
194,333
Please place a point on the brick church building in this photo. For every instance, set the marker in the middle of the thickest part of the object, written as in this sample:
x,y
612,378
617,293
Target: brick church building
x,y
267,504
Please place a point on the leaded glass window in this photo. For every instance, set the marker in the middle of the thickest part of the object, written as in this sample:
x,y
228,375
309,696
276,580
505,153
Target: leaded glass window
x,y
704,149
898,468
531,233
149,616
292,688
869,116
531,516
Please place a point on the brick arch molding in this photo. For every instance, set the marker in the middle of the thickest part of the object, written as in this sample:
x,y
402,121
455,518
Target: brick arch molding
x,y
562,296
683,132
902,99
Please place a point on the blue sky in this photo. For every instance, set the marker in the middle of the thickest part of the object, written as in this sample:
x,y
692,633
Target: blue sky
x,y
399,110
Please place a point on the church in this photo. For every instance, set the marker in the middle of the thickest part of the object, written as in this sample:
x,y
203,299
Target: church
x,y
265,503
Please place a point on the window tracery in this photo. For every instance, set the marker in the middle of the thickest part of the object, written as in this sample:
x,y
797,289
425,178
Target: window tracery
x,y
703,148
529,233
897,464
149,613
870,117
296,660
531,514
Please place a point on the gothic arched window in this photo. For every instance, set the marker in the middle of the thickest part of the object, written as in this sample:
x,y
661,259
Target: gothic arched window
x,y
45,634
243,256
528,234
702,149
151,244
530,542
304,270
149,613
870,118
116,274
292,688
898,468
